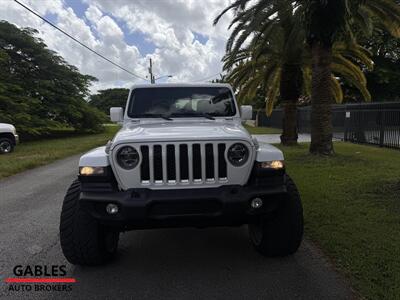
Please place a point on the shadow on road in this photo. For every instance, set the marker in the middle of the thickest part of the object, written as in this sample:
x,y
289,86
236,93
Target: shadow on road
x,y
208,263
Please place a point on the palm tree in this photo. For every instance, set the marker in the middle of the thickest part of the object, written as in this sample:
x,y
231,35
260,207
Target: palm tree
x,y
272,58
328,24
249,74
330,21
277,59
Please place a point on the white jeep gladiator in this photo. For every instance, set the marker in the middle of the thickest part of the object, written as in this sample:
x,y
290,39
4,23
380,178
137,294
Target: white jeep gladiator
x,y
8,138
182,158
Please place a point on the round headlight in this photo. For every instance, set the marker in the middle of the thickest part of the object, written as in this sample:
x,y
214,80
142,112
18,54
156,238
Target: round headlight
x,y
128,157
238,154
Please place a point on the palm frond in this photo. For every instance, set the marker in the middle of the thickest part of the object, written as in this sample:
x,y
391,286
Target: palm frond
x,y
345,67
352,74
336,90
238,4
273,90
307,80
385,12
355,52
363,19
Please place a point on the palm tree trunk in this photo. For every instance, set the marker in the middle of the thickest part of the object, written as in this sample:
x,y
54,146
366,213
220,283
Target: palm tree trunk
x,y
289,133
321,100
290,91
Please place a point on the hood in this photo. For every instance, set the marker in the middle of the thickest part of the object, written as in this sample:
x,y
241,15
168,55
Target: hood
x,y
181,131
7,128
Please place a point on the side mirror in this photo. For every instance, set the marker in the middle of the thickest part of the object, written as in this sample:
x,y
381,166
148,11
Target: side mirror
x,y
116,114
246,112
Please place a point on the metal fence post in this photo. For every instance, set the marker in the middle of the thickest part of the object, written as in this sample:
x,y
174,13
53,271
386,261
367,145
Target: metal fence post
x,y
298,119
382,129
346,124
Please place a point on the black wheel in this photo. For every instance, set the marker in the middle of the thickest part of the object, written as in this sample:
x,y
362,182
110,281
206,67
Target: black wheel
x,y
83,240
6,145
280,234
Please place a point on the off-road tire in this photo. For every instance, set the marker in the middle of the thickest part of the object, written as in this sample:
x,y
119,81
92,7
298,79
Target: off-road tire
x,y
6,141
281,233
83,240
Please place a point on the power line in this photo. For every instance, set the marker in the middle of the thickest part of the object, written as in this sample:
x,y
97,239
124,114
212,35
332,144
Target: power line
x,y
80,43
207,78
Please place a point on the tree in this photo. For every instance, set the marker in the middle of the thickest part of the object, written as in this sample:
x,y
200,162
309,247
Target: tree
x,y
383,82
278,60
326,22
104,99
271,59
221,79
329,21
39,91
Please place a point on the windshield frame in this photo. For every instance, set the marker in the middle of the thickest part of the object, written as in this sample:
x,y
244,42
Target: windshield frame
x,y
128,113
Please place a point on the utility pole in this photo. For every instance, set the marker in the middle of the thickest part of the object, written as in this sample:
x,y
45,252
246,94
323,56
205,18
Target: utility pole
x,y
152,79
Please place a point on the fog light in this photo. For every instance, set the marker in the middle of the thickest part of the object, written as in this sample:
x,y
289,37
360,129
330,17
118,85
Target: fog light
x,y
256,203
111,209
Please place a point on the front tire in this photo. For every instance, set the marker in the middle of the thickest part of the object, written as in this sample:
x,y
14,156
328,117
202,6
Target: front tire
x,y
6,145
281,233
83,240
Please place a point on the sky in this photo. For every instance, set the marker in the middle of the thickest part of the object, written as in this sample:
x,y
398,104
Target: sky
x,y
177,34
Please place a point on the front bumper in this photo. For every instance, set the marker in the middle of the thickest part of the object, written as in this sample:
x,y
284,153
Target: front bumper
x,y
145,208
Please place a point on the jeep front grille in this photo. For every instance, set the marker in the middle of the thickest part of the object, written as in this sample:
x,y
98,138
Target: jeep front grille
x,y
183,163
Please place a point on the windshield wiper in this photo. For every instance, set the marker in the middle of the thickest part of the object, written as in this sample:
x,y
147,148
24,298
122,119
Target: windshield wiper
x,y
165,117
204,115
207,116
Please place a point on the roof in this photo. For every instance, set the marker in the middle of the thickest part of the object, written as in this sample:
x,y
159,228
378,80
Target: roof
x,y
158,85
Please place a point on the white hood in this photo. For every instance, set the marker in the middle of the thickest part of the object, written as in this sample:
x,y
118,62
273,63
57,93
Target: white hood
x,y
181,131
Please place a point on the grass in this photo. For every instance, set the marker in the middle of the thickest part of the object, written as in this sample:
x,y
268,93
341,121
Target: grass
x,y
33,154
352,211
262,130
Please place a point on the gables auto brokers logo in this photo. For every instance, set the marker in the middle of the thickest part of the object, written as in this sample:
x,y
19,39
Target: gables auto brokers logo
x,y
40,278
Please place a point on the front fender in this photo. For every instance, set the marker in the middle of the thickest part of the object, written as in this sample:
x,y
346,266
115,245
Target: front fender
x,y
267,152
95,158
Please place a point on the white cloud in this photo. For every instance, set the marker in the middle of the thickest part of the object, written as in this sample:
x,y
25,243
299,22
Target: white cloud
x,y
168,24
93,14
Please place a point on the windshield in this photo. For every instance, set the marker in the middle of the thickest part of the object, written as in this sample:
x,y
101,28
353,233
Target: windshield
x,y
181,102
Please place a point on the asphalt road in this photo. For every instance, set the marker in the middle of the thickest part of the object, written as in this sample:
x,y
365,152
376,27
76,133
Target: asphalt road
x,y
215,263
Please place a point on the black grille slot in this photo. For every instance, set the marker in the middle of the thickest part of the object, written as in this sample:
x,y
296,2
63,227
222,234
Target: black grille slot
x,y
157,154
184,162
171,174
209,161
196,161
221,161
145,167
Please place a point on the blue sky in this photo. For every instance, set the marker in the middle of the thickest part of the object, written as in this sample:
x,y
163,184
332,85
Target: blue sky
x,y
138,39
